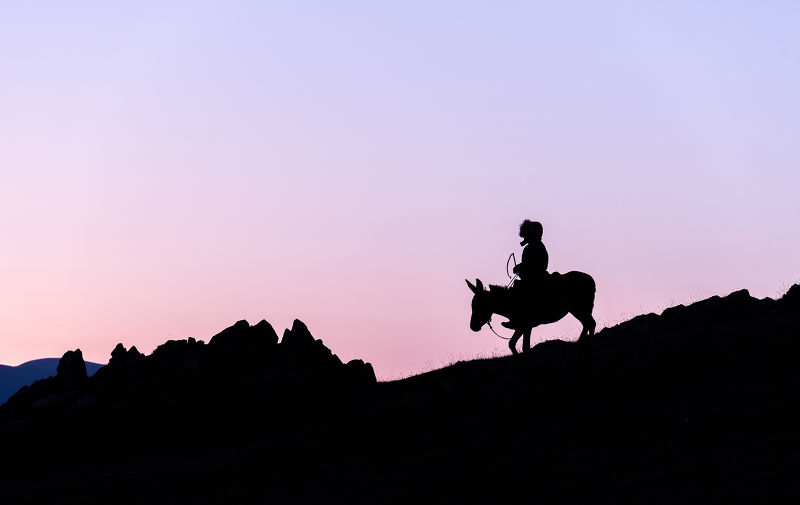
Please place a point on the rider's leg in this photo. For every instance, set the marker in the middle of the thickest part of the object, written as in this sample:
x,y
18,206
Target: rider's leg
x,y
526,340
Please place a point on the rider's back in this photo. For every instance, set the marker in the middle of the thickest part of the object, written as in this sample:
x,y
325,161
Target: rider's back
x,y
534,261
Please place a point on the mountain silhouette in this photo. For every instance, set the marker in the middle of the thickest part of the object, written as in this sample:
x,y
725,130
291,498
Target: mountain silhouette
x,y
695,405
14,377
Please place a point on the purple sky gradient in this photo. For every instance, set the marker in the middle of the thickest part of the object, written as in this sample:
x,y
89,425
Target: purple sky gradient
x,y
167,168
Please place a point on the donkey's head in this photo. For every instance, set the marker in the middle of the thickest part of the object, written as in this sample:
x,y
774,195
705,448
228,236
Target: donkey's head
x,y
480,306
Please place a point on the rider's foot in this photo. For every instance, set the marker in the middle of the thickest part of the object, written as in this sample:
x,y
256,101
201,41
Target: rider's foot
x,y
509,325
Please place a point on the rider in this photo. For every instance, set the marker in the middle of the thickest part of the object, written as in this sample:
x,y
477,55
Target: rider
x,y
532,270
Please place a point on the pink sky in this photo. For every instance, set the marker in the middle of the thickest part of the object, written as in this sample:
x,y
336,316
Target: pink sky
x,y
167,171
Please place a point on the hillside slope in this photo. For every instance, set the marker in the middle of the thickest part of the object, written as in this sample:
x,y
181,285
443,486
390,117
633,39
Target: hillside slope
x,y
696,405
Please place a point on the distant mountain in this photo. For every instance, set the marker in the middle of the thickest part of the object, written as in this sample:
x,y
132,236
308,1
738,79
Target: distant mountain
x,y
14,377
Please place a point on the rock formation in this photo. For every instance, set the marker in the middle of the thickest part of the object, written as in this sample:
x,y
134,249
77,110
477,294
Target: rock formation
x,y
241,356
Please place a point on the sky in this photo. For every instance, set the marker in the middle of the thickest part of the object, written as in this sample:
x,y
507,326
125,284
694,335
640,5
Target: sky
x,y
168,168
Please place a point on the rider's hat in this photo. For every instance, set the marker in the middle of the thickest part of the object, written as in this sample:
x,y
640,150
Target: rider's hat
x,y
530,230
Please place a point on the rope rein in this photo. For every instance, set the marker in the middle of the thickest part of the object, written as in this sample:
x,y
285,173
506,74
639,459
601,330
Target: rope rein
x,y
510,283
489,322
516,276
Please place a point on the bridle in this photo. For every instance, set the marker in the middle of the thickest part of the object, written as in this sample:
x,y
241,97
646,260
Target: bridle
x,y
510,283
513,278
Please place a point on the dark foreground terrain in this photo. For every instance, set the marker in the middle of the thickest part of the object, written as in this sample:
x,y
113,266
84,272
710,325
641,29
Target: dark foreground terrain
x,y
696,405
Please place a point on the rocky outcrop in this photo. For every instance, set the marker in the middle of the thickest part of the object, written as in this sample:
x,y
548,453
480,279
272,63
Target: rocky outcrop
x,y
71,368
241,357
121,357
53,392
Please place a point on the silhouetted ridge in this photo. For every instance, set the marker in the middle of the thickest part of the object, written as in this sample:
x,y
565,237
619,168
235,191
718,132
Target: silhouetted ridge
x,y
241,356
697,404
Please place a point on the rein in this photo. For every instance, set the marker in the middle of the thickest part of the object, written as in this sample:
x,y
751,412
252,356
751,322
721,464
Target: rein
x,y
489,322
516,276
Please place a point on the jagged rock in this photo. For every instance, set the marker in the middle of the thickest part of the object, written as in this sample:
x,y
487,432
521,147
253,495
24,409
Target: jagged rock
x,y
264,332
241,357
232,335
171,351
310,358
52,392
118,354
359,372
243,349
298,339
72,369
122,357
241,338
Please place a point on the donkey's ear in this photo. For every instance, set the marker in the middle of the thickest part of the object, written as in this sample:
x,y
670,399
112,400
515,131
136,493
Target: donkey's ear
x,y
472,287
479,284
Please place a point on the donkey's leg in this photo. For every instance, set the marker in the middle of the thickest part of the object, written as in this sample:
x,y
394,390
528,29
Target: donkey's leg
x,y
592,326
512,344
584,331
589,325
526,340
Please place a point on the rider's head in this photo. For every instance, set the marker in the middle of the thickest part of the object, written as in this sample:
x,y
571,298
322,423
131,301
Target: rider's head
x,y
530,231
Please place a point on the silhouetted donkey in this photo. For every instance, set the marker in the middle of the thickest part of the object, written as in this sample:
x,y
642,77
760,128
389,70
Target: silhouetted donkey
x,y
570,293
